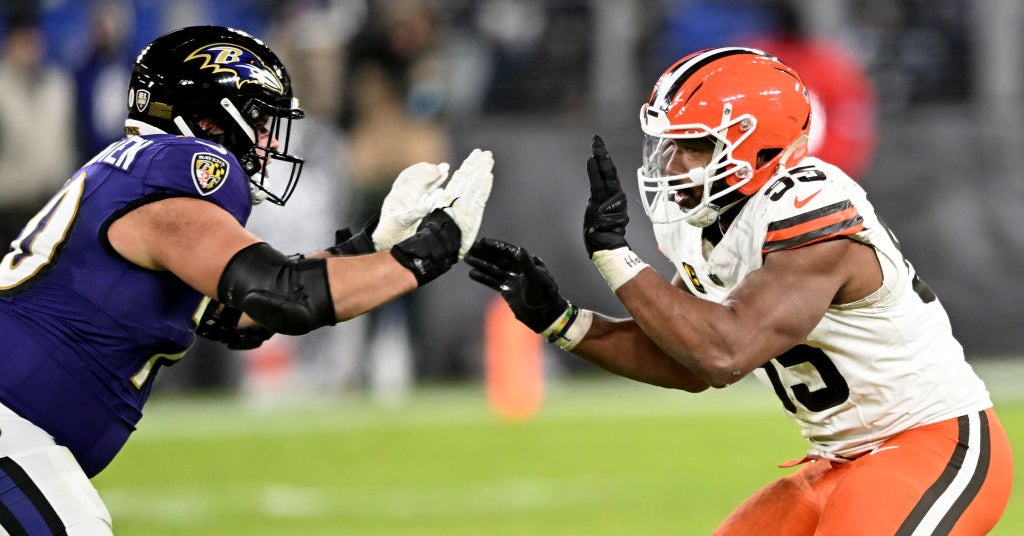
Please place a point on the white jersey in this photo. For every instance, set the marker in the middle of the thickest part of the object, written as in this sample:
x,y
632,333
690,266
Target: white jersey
x,y
870,369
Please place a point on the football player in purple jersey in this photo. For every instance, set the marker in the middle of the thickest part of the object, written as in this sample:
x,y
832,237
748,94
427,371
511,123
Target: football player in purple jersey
x,y
145,246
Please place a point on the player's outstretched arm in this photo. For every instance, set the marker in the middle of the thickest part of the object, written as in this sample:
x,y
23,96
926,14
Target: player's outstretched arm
x,y
618,346
290,295
294,295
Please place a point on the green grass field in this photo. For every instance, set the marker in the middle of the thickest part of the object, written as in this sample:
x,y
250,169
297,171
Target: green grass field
x,y
603,457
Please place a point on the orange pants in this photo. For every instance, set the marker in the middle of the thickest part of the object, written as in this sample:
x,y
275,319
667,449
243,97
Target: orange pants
x,y
950,477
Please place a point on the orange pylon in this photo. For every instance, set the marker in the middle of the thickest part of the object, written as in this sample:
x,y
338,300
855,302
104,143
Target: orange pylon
x,y
513,364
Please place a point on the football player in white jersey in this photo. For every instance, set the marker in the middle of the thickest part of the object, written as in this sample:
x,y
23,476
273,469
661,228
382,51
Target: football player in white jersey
x,y
784,271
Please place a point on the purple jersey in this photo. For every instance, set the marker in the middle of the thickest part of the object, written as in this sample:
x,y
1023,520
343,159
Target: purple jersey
x,y
82,330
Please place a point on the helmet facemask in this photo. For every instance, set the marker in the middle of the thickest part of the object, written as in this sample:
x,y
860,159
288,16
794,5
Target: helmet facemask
x,y
257,117
659,187
243,131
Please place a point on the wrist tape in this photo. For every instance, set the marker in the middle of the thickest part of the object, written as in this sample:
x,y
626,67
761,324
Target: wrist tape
x,y
569,328
618,266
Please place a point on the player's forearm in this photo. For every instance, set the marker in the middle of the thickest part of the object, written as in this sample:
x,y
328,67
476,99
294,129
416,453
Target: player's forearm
x,y
620,347
364,282
690,330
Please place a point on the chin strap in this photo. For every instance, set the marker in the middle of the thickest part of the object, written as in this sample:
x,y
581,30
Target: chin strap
x,y
256,194
710,213
798,144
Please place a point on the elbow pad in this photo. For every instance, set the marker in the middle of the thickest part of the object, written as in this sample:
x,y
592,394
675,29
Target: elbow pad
x,y
289,295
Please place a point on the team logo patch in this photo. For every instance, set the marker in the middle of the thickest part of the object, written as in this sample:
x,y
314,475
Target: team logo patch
x,y
208,172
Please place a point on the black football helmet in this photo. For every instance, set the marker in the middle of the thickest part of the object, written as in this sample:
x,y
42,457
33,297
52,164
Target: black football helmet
x,y
227,76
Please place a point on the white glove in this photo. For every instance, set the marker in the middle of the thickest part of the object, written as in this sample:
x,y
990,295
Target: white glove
x,y
415,192
466,195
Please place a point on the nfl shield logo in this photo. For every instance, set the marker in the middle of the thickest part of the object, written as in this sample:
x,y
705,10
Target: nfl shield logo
x,y
141,99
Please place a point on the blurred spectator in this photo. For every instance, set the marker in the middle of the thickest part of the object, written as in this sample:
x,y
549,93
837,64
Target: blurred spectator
x,y
402,39
393,118
36,123
101,78
413,29
312,37
843,108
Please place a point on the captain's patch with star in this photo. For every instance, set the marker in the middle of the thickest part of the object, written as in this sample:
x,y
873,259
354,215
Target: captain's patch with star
x,y
208,172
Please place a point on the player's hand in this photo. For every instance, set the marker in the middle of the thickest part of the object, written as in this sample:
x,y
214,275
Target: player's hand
x,y
522,280
220,322
361,243
604,222
432,250
466,195
415,192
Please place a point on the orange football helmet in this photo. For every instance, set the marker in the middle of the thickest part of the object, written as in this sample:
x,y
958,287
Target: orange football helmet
x,y
753,107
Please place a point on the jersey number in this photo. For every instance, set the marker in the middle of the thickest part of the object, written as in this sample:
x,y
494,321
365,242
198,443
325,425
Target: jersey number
x,y
834,392
39,243
783,184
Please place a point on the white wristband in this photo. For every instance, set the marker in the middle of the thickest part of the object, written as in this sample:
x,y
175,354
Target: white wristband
x,y
618,266
570,328
576,331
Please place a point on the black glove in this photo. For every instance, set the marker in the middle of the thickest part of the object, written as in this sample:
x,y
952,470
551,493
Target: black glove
x,y
604,222
433,250
361,243
522,279
219,323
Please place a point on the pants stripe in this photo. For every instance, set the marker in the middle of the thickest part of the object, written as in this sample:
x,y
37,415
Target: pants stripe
x,y
971,491
945,501
30,512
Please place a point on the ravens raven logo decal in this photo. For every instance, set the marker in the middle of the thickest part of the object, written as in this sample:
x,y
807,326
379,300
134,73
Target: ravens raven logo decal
x,y
243,63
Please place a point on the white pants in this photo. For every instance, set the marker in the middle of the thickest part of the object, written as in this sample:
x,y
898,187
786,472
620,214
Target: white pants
x,y
43,490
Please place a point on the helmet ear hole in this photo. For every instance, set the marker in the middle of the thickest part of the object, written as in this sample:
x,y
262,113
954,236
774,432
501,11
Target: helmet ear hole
x,y
766,155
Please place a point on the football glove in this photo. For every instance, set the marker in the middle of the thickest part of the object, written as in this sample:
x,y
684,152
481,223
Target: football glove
x,y
415,192
466,195
219,322
604,222
522,280
432,250
361,243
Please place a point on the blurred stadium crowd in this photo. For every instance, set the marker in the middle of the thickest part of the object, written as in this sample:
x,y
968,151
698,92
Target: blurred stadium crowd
x,y
923,108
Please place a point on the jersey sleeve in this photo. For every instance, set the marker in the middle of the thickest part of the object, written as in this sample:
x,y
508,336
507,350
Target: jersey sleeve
x,y
189,167
810,212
